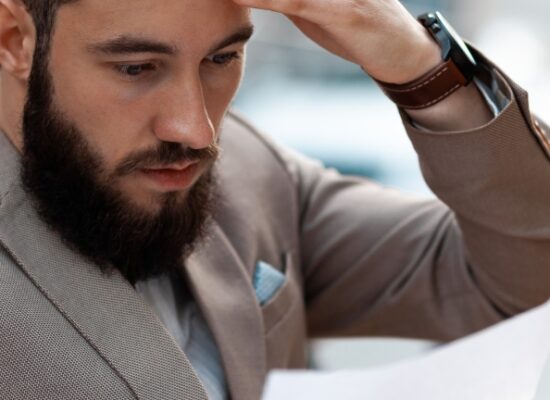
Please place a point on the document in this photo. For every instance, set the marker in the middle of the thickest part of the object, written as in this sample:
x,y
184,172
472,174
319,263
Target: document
x,y
503,362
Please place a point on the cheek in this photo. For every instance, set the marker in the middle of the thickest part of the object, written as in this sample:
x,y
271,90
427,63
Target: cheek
x,y
112,126
219,90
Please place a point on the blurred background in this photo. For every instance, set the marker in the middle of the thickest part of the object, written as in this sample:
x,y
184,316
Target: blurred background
x,y
327,108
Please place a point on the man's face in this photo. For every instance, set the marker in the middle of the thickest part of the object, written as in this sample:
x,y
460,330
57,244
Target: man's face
x,y
133,74
120,126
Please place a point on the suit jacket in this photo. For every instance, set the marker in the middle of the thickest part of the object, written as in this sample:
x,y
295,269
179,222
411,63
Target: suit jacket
x,y
359,259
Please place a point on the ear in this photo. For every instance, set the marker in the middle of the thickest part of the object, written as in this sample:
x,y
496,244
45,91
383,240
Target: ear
x,y
17,39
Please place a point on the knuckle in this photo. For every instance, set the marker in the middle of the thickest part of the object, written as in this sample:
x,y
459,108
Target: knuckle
x,y
299,7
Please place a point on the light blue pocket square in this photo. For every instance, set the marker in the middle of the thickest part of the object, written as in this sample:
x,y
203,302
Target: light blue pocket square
x,y
267,281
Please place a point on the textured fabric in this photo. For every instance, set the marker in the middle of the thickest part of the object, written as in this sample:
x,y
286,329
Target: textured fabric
x,y
489,87
359,259
267,281
103,311
53,361
177,310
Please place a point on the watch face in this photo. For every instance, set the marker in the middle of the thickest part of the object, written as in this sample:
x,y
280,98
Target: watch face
x,y
456,38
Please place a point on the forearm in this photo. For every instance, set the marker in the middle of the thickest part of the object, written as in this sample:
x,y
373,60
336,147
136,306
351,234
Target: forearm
x,y
493,177
464,110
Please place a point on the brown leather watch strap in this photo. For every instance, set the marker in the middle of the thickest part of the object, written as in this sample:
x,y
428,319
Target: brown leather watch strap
x,y
427,90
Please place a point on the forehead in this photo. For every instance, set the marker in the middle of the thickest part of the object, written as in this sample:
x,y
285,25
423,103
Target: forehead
x,y
186,23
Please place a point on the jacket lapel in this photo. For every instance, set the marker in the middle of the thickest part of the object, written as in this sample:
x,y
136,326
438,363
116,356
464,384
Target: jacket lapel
x,y
223,290
106,310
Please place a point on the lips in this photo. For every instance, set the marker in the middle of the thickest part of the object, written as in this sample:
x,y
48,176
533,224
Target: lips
x,y
177,176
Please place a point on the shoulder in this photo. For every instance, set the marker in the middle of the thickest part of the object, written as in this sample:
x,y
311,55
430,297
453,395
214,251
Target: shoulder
x,y
244,142
258,199
252,150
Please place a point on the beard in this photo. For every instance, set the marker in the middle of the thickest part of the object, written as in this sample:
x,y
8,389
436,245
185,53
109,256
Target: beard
x,y
78,199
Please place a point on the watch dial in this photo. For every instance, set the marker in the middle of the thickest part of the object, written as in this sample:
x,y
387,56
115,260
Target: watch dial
x,y
456,37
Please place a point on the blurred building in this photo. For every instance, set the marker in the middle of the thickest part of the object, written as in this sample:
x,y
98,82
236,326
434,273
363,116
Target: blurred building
x,y
515,35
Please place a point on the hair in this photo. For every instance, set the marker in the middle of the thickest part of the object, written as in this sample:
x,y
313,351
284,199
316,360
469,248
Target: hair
x,y
43,14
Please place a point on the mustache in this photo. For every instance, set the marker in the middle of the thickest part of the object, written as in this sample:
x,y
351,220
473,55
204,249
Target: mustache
x,y
167,153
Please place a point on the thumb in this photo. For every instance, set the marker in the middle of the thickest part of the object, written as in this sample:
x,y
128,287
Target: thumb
x,y
306,9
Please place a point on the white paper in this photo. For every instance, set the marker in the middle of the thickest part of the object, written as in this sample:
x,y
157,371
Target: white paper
x,y
503,362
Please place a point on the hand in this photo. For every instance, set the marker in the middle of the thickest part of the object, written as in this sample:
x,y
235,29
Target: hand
x,y
379,35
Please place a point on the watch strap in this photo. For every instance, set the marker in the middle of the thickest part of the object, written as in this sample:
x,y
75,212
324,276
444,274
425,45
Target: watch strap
x,y
431,88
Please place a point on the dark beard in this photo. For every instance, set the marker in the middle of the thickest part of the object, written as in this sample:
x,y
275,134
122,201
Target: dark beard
x,y
65,179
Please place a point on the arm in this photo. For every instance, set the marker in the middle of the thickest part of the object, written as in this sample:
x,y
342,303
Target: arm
x,y
388,43
378,262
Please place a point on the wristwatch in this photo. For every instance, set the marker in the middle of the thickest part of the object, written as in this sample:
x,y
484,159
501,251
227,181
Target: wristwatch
x,y
456,70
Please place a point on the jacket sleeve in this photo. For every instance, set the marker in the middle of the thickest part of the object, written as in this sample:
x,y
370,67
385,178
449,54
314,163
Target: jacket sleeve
x,y
379,262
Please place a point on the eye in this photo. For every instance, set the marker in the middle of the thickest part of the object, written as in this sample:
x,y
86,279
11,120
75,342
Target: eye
x,y
135,70
224,59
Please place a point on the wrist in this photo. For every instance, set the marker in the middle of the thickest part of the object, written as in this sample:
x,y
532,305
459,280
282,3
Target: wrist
x,y
464,110
417,56
456,69
425,57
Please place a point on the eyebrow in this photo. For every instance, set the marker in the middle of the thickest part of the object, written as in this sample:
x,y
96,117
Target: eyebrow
x,y
129,44
126,44
240,36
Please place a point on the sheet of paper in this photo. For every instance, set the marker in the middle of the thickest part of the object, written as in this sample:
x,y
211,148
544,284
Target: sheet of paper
x,y
503,362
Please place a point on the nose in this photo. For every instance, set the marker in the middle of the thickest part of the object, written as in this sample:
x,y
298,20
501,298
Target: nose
x,y
183,116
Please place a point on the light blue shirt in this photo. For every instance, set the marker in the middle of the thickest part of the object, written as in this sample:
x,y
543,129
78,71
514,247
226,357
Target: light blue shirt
x,y
175,307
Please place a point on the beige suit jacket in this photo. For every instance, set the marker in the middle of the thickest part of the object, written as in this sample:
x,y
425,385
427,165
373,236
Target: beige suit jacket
x,y
359,259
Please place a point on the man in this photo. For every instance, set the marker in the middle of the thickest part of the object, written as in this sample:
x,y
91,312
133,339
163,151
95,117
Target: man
x,y
138,260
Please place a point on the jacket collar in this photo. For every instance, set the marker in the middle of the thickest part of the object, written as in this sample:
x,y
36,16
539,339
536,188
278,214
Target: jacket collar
x,y
113,318
223,290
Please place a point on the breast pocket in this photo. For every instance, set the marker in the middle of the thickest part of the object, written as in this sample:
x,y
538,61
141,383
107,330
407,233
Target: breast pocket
x,y
276,307
284,321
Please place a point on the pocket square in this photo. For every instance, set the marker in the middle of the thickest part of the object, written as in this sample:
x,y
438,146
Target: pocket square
x,y
267,281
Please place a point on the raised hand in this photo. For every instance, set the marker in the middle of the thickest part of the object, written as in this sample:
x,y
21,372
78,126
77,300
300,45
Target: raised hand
x,y
379,35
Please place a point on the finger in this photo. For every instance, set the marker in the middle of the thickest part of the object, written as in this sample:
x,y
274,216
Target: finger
x,y
306,9
321,37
